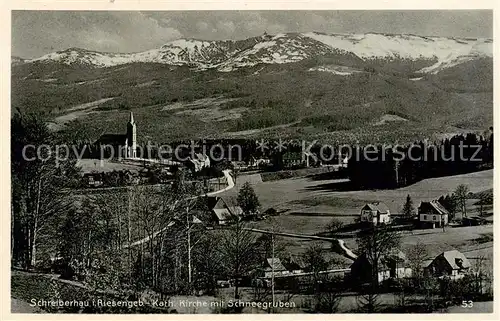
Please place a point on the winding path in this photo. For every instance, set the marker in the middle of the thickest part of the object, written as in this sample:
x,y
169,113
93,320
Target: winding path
x,y
338,244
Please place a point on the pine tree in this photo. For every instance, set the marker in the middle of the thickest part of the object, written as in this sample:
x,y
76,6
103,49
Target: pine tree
x,y
248,200
408,209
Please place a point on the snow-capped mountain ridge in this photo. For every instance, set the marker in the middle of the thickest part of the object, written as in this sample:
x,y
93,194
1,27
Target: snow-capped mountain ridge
x,y
226,55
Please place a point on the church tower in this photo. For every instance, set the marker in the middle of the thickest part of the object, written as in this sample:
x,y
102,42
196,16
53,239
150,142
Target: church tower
x,y
131,137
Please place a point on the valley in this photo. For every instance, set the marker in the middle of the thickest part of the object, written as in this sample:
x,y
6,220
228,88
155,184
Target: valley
x,y
131,220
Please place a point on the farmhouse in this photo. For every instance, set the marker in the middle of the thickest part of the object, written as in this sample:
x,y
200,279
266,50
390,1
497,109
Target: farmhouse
x,y
375,213
274,265
452,264
294,264
432,214
393,265
222,213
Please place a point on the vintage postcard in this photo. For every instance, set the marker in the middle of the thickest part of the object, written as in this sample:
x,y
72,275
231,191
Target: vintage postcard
x,y
251,162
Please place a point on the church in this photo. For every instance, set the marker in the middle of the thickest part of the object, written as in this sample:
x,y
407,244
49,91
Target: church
x,y
124,145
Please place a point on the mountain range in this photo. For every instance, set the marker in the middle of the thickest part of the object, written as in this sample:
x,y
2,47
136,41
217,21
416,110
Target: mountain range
x,y
285,48
308,83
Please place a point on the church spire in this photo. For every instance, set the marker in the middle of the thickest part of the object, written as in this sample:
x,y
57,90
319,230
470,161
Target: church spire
x,y
131,118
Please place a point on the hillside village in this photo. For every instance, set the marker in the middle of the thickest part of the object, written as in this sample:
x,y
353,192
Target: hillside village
x,y
291,259
232,162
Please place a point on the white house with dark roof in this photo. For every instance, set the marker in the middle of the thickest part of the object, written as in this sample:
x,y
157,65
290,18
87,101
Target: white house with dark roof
x,y
391,265
432,214
376,213
452,264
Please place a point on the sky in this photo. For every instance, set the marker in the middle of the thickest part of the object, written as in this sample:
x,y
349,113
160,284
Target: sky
x,y
35,33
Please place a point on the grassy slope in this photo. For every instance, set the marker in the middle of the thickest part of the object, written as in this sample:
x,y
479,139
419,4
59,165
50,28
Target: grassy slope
x,y
320,104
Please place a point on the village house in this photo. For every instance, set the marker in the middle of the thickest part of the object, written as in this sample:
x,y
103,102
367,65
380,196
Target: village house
x,y
292,159
294,264
452,264
222,213
393,265
375,213
432,214
93,179
260,162
198,162
274,265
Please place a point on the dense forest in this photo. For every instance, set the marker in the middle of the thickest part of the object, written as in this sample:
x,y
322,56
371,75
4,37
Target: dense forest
x,y
379,167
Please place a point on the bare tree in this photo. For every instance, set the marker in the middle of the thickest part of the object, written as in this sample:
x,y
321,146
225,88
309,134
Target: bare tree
x,y
39,184
324,287
417,255
375,243
315,262
147,213
329,297
191,212
112,206
482,276
461,194
208,263
430,286
237,246
484,200
368,302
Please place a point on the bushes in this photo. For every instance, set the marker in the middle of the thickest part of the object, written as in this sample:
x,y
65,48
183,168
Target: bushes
x,y
273,176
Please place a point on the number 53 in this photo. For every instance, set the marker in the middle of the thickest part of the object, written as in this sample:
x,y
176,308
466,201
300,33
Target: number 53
x,y
467,304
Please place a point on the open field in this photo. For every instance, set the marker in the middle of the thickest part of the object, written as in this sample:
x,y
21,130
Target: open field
x,y
289,193
308,205
89,165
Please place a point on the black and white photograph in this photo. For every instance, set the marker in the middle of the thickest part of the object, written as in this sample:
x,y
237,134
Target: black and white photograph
x,y
251,162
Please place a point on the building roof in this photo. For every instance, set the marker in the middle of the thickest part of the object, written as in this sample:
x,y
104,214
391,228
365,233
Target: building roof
x,y
455,259
199,161
438,207
377,206
215,202
236,210
394,256
276,262
221,209
294,263
223,214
